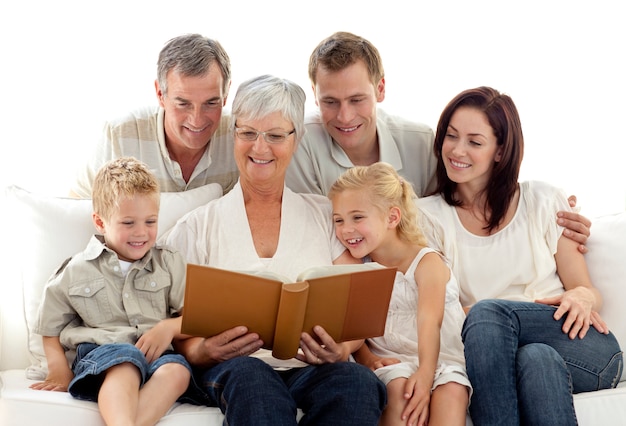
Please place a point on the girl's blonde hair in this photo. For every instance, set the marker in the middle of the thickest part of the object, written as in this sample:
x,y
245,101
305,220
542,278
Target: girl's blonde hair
x,y
385,189
122,178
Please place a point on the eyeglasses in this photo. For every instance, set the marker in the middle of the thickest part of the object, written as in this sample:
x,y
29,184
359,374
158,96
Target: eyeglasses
x,y
272,136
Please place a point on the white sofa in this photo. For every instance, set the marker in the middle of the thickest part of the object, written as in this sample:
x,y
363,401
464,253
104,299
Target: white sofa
x,y
40,232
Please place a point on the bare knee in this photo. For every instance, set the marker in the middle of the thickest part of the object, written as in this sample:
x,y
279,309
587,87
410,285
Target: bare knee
x,y
448,404
125,371
452,390
176,375
396,402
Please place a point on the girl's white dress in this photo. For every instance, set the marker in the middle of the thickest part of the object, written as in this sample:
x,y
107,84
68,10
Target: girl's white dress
x,y
401,341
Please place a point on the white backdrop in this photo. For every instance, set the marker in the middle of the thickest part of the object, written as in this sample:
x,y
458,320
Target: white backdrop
x,y
69,65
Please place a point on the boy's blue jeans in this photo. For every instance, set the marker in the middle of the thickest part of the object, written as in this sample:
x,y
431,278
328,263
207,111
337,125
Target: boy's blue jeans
x,y
92,361
524,369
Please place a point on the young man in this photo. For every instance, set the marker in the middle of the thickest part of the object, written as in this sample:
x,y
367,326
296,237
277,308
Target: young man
x,y
185,141
348,82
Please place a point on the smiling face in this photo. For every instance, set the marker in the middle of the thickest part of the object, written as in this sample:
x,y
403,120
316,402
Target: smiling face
x,y
360,226
347,101
260,162
470,148
193,109
132,228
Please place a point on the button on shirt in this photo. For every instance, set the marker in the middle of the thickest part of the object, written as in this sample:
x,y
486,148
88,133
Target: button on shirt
x,y
90,300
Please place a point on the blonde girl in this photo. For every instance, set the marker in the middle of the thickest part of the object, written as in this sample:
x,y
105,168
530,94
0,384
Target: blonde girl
x,y
375,217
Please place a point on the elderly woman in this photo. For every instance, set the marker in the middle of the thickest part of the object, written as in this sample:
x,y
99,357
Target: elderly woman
x,y
262,225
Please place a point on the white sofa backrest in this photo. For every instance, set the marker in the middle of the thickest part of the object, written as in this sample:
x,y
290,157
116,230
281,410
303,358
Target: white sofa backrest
x,y
44,231
40,232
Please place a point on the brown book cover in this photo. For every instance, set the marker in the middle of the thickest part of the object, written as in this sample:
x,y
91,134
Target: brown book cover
x,y
349,301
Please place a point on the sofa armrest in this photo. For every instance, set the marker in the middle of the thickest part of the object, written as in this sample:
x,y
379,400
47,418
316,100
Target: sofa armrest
x,y
605,260
14,352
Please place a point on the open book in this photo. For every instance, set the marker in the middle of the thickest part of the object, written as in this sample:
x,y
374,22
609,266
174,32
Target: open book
x,y
349,301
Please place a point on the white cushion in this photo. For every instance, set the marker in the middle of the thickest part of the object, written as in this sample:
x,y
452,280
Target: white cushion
x,y
22,406
51,229
607,266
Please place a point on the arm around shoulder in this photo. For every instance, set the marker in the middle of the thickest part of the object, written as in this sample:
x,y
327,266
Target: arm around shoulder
x,y
577,227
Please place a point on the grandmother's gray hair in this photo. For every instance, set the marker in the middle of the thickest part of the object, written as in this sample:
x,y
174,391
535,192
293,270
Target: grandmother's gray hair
x,y
261,96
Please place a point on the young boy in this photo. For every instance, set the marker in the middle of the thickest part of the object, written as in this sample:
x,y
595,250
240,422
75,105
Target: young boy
x,y
118,305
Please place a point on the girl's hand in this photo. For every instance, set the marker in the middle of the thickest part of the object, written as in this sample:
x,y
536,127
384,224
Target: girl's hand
x,y
365,357
383,362
417,393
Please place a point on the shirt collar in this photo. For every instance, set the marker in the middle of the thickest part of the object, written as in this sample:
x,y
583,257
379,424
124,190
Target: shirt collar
x,y
97,248
387,148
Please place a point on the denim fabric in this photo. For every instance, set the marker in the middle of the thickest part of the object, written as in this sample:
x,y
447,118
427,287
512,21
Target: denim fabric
x,y
247,388
92,360
524,369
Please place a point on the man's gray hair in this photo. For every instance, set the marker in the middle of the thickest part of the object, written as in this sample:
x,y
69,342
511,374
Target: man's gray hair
x,y
192,55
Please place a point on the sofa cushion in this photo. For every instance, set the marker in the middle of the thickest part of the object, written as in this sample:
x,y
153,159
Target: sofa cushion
x,y
22,406
53,229
606,260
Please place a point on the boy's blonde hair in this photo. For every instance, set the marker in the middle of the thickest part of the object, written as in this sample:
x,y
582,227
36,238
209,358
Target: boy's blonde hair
x,y
122,178
385,189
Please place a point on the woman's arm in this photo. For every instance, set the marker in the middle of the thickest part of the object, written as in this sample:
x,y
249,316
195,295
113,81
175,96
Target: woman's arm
x,y
581,300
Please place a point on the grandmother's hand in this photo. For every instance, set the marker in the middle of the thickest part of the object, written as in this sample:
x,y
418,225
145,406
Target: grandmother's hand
x,y
232,343
206,352
326,352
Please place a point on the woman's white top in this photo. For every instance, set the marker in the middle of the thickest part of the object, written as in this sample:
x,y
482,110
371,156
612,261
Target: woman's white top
x,y
515,263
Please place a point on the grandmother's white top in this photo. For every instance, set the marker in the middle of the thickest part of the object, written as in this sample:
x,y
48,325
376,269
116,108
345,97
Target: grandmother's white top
x,y
218,234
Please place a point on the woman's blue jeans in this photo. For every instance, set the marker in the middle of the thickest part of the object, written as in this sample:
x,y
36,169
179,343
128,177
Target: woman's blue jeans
x,y
524,369
248,391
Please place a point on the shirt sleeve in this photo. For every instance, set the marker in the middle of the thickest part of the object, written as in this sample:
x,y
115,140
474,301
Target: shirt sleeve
x,y
55,310
430,225
101,154
183,237
301,174
544,201
176,266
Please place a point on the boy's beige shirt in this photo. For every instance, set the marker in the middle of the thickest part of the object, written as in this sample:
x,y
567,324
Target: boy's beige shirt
x,y
88,299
